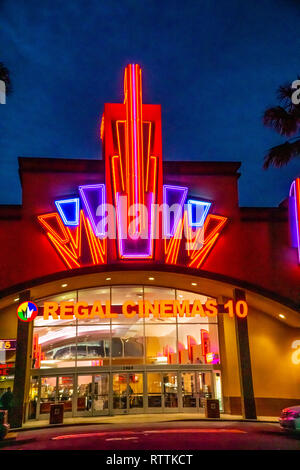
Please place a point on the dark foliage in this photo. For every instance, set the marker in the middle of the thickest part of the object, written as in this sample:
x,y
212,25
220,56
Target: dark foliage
x,y
285,120
4,76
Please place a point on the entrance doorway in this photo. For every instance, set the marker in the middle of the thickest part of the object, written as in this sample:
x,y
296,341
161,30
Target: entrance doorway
x,y
92,395
57,389
128,393
195,387
162,392
112,392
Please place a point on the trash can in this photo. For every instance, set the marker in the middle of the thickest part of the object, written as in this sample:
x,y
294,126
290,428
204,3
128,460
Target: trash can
x,y
4,426
56,413
212,408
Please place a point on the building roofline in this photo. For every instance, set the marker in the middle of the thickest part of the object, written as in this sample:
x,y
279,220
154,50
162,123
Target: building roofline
x,y
201,167
87,165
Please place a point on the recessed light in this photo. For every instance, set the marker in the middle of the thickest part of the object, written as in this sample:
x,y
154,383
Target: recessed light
x,y
108,279
64,285
16,300
151,278
281,315
194,283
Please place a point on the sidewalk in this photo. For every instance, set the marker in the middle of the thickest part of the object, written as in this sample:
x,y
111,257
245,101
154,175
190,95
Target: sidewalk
x,y
138,418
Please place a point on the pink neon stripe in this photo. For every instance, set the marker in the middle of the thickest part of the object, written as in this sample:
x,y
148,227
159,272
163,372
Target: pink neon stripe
x,y
135,137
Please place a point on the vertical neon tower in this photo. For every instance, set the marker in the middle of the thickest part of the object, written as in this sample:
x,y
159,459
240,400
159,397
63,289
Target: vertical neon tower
x,y
132,147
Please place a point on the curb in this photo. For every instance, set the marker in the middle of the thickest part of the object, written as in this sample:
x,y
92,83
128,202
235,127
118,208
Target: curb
x,y
53,426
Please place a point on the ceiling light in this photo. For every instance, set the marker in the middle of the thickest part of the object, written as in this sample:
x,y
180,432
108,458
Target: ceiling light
x,y
64,285
108,279
151,278
194,283
281,315
16,300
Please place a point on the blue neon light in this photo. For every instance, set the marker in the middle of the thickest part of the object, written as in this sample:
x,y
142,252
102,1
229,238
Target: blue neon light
x,y
193,207
68,210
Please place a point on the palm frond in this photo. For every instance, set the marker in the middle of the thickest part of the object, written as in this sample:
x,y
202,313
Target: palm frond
x,y
283,121
4,76
284,93
281,154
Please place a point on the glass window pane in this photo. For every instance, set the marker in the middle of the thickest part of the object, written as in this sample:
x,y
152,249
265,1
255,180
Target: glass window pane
x,y
101,294
48,393
65,392
93,345
191,296
159,293
198,344
128,344
170,390
84,392
101,386
189,389
154,389
54,347
121,294
33,397
63,297
119,391
135,391
161,344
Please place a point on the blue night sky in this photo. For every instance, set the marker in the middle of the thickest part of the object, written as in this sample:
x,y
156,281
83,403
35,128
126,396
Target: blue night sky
x,y
213,65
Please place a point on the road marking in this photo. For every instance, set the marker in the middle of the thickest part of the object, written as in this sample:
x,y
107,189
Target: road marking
x,y
151,431
194,431
122,438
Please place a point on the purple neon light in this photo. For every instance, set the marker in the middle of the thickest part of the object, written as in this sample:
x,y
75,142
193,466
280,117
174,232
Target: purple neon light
x,y
294,200
168,189
95,219
123,239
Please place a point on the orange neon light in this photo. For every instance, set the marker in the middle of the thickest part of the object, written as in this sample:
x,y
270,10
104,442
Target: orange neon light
x,y
64,252
70,247
45,221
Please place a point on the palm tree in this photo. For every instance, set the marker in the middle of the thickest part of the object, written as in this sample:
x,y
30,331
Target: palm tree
x,y
284,119
4,76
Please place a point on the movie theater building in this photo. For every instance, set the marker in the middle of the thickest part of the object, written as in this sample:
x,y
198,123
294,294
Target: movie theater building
x,y
168,308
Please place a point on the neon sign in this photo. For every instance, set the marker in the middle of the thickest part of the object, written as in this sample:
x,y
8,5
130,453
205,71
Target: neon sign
x,y
144,309
8,344
132,215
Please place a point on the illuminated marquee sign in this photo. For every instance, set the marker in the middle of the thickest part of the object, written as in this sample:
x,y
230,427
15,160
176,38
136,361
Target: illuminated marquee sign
x,y
132,215
144,309
8,344
6,369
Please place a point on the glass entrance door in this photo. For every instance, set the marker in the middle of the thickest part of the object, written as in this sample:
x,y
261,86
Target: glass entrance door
x,y
92,395
128,394
84,395
47,396
162,392
100,394
65,390
57,389
195,388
